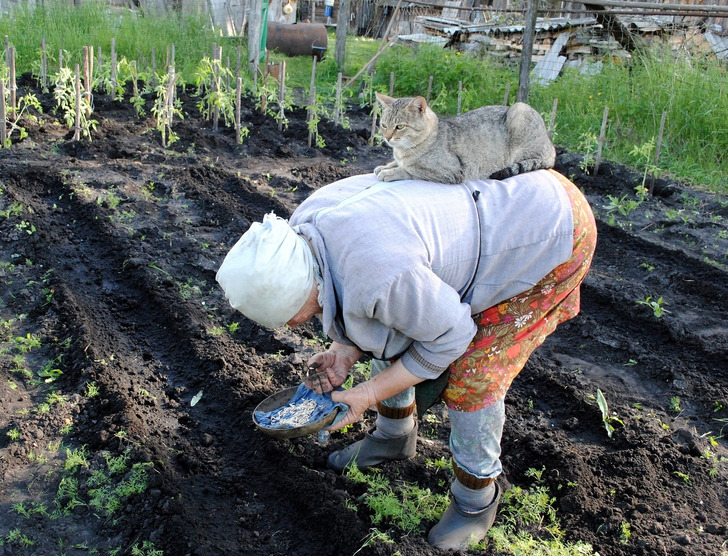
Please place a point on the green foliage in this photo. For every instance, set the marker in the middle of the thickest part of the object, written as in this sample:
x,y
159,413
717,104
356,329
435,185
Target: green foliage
x,y
483,81
65,94
404,506
13,116
527,524
212,81
607,418
166,107
656,305
135,32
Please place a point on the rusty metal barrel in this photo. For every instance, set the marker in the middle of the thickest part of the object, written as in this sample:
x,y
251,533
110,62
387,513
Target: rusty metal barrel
x,y
297,39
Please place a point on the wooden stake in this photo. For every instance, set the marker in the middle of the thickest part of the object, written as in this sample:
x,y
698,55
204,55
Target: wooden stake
x,y
337,105
658,147
282,93
429,90
99,59
375,111
237,64
310,115
13,84
44,66
135,78
553,118
77,121
313,74
460,95
238,97
154,68
86,68
113,66
3,128
508,93
391,83
60,59
597,160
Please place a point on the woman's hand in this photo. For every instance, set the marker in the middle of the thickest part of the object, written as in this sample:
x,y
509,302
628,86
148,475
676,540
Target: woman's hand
x,y
392,380
332,367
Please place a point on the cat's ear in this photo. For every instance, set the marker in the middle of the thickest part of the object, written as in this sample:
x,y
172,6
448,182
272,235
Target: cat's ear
x,y
419,104
384,100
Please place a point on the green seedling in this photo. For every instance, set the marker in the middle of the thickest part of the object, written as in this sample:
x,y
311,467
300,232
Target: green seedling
x,y
656,305
675,404
624,532
607,419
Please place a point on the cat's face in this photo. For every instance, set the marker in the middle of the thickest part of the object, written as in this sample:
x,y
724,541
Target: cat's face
x,y
403,123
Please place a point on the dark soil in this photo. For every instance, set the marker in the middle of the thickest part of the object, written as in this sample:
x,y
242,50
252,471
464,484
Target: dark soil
x,y
108,254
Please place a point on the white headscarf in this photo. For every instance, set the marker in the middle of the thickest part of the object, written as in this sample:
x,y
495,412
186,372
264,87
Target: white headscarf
x,y
269,272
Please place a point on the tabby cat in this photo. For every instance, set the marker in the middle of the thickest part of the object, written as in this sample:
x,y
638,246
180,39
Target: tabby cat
x,y
492,141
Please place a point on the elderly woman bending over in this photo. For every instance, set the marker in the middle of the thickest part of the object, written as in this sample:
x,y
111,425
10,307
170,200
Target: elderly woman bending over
x,y
449,288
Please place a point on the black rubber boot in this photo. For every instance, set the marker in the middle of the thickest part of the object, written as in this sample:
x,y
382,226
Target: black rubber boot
x,y
459,530
372,451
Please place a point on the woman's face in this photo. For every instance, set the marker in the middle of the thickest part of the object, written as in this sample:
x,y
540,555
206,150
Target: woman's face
x,y
309,309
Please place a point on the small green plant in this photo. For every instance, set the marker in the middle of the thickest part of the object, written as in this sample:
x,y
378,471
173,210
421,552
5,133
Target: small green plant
x,y
625,532
14,435
374,537
216,98
92,390
146,548
24,104
656,305
587,145
675,404
65,94
646,154
683,476
607,419
403,507
166,107
15,536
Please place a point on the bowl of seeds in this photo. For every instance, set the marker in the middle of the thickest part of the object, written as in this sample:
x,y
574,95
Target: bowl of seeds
x,y
294,412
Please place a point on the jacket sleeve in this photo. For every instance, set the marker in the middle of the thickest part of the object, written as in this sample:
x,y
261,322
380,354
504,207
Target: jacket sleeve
x,y
420,306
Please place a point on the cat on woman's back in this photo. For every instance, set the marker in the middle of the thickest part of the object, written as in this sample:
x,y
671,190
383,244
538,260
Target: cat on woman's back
x,y
488,142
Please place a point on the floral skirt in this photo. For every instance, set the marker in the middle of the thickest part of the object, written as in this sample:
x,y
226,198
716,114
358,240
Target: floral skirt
x,y
510,331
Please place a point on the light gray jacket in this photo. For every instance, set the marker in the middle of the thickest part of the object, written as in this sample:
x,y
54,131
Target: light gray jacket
x,y
406,264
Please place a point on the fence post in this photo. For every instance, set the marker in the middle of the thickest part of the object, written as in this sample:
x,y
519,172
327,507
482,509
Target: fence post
x,y
657,149
528,38
598,158
553,118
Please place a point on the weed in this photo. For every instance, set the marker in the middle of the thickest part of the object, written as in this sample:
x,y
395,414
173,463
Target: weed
x,y
14,435
75,459
527,524
684,476
656,305
16,536
375,536
92,390
624,532
146,548
675,404
403,507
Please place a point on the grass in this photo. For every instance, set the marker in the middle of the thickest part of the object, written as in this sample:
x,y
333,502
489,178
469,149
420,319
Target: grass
x,y
691,89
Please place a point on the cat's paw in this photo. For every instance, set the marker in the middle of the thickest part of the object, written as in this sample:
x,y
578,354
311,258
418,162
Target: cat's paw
x,y
391,174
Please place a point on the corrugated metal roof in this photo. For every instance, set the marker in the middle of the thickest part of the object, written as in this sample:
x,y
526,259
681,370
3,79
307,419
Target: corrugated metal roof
x,y
450,26
719,44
